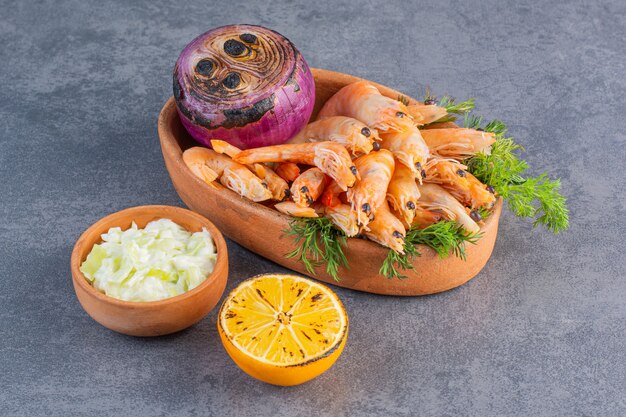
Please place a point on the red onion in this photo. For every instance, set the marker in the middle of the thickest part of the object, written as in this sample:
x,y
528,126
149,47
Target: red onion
x,y
244,84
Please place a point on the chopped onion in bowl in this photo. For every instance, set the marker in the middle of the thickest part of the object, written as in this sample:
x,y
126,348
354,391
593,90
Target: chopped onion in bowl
x,y
159,261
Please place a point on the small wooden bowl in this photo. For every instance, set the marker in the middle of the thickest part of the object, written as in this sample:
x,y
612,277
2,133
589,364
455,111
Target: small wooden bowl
x,y
261,229
151,318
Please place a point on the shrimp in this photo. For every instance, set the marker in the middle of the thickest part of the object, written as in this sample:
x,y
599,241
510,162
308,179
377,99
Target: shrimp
x,y
287,171
375,169
232,175
221,146
424,114
465,187
330,197
457,143
424,218
434,197
349,132
332,158
362,101
402,193
277,186
344,218
195,159
409,149
308,187
387,229
292,209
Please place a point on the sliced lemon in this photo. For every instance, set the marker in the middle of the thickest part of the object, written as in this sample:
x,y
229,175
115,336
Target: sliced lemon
x,y
283,329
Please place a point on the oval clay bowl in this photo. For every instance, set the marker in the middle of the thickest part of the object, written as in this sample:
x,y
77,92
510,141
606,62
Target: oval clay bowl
x,y
150,318
260,228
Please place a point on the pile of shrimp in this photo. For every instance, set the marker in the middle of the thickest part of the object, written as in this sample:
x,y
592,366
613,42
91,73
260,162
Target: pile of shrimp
x,y
367,163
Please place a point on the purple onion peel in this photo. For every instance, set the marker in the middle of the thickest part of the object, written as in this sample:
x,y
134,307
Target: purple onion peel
x,y
244,84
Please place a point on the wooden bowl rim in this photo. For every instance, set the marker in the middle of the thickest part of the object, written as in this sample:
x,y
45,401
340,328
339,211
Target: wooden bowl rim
x,y
81,280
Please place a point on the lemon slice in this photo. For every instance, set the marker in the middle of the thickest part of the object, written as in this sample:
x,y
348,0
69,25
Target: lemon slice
x,y
283,329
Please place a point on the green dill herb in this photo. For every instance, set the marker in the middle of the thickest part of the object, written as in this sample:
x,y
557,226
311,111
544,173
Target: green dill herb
x,y
535,197
445,237
394,262
318,242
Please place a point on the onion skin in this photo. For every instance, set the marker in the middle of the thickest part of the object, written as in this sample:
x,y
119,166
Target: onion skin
x,y
244,84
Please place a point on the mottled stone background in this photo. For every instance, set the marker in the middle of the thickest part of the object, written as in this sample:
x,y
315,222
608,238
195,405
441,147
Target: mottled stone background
x,y
541,331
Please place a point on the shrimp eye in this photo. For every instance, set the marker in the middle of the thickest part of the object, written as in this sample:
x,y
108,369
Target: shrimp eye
x,y
264,184
400,114
309,200
353,170
475,215
418,166
366,132
376,146
248,37
234,48
491,189
205,67
410,205
287,193
397,234
366,207
430,101
423,174
304,189
232,80
460,173
372,218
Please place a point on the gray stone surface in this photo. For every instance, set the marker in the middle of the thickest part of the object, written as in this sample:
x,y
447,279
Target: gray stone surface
x,y
541,331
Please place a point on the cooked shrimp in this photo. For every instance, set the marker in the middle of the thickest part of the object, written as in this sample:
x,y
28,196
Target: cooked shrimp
x,y
292,209
287,171
387,229
332,158
343,217
434,197
402,193
424,114
369,192
424,218
277,186
308,187
362,101
330,197
409,148
221,146
232,175
457,143
349,132
465,187
196,160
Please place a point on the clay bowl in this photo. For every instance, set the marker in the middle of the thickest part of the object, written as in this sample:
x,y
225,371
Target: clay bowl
x,y
152,318
260,229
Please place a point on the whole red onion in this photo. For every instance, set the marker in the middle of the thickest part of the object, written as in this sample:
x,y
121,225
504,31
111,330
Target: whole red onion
x,y
244,84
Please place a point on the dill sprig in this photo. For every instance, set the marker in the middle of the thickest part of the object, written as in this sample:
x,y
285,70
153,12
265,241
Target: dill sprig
x,y
394,262
318,242
534,197
445,237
